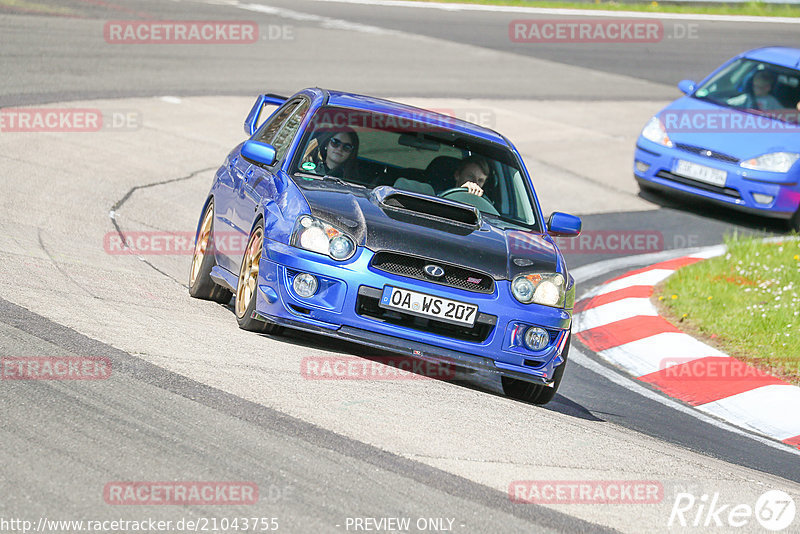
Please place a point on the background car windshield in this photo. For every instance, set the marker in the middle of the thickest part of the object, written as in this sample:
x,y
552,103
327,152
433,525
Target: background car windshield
x,y
418,154
755,86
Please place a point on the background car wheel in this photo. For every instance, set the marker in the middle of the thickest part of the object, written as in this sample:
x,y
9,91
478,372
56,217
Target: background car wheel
x,y
247,286
201,285
535,393
794,222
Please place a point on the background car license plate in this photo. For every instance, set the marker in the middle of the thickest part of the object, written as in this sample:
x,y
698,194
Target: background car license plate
x,y
700,173
423,305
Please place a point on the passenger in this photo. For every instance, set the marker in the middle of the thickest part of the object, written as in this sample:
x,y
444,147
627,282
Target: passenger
x,y
334,154
762,99
472,174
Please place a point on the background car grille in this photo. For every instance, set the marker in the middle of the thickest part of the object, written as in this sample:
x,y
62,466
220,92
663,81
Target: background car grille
x,y
367,306
705,152
727,191
412,267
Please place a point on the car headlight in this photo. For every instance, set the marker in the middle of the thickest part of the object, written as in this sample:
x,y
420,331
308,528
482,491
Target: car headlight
x,y
318,236
654,131
774,162
548,289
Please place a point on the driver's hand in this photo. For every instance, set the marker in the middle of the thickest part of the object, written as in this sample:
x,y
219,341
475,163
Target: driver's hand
x,y
473,188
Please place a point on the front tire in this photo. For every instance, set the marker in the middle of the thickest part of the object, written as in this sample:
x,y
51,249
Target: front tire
x,y
201,286
246,288
536,393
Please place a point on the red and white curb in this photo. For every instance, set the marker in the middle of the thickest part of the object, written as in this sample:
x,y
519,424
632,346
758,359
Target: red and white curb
x,y
618,322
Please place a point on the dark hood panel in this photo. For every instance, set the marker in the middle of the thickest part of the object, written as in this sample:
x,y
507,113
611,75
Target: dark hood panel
x,y
488,249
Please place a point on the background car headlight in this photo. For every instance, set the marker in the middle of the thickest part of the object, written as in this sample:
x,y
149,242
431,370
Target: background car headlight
x,y
774,162
654,131
540,288
315,235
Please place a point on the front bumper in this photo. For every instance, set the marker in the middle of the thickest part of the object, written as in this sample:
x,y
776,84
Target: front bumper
x,y
739,191
342,306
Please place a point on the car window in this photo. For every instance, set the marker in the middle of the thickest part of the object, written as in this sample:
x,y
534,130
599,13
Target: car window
x,y
268,130
283,138
371,149
383,146
755,86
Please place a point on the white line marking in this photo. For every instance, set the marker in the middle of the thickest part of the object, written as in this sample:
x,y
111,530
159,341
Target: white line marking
x,y
566,12
613,312
654,353
328,23
766,409
647,278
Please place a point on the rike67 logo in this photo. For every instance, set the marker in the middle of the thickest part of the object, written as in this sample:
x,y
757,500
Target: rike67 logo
x,y
774,510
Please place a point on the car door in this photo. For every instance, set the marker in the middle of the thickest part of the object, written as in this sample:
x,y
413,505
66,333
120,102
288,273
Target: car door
x,y
258,184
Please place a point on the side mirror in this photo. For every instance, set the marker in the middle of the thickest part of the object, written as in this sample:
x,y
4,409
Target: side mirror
x,y
251,123
687,86
259,153
564,225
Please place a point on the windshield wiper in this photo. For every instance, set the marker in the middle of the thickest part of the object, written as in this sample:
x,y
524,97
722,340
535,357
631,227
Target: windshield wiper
x,y
328,177
508,221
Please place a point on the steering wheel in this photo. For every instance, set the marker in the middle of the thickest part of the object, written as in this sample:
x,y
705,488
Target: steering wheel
x,y
452,190
482,203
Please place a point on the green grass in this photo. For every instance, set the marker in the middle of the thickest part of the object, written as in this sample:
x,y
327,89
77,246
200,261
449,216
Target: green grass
x,y
749,8
746,303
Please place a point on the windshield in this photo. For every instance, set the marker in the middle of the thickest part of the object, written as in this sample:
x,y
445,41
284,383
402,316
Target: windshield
x,y
369,150
757,87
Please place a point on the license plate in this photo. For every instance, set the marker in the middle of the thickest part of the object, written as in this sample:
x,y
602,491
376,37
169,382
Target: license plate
x,y
701,173
422,305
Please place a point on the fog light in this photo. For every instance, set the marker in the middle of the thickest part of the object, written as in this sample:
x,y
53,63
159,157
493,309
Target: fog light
x,y
305,285
536,338
762,199
641,166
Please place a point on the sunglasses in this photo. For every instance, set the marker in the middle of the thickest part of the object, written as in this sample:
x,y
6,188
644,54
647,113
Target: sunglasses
x,y
336,143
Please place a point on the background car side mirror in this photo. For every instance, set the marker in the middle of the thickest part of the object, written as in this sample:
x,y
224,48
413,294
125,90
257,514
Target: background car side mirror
x,y
259,153
564,225
687,86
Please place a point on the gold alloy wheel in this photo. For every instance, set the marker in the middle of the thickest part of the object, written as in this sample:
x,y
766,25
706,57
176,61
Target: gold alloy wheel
x,y
248,274
201,246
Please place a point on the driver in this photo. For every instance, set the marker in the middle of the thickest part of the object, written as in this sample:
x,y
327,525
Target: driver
x,y
334,153
762,86
472,174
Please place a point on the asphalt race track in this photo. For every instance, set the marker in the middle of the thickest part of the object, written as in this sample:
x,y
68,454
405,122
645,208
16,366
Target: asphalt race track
x,y
193,398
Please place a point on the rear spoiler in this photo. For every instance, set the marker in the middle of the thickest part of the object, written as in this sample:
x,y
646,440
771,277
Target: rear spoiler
x,y
251,122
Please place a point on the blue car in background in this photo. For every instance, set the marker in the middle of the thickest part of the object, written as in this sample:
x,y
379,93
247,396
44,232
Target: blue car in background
x,y
733,139
394,227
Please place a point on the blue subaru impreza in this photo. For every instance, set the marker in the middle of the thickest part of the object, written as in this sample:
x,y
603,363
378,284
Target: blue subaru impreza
x,y
394,227
733,139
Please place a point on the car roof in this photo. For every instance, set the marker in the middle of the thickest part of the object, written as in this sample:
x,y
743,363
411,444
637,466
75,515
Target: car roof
x,y
380,105
778,55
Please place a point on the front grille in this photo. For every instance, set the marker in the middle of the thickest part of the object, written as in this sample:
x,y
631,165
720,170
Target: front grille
x,y
412,267
367,306
707,153
727,191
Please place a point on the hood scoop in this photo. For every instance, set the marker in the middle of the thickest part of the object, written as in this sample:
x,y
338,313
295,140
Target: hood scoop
x,y
405,204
